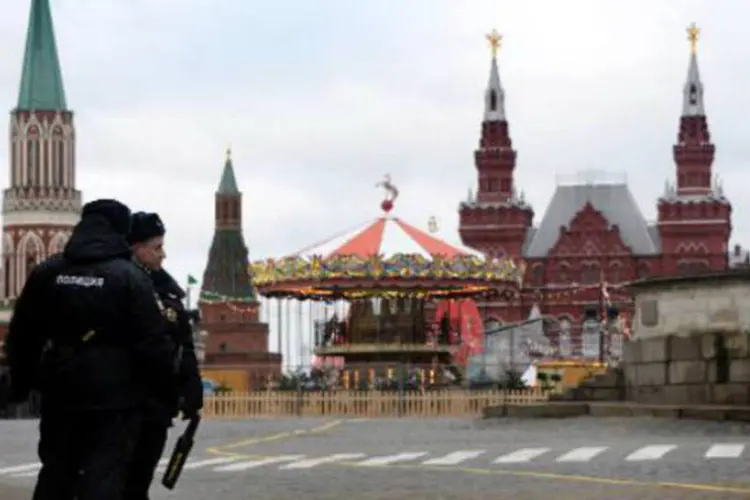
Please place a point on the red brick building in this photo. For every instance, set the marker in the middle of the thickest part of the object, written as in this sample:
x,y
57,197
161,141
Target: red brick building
x,y
592,231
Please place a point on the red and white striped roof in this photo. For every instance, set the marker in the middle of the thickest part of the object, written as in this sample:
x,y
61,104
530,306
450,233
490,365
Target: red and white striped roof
x,y
385,236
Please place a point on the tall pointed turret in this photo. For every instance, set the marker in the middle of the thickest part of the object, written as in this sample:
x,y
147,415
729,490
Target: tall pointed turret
x,y
41,79
229,307
226,270
495,159
41,203
695,220
694,152
497,219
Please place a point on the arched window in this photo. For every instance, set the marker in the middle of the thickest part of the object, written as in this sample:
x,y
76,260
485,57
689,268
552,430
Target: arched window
x,y
590,273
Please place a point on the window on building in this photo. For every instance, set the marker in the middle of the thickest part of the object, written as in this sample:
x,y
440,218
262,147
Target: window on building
x,y
58,162
30,264
643,270
537,275
493,100
590,273
688,267
563,273
615,272
6,275
223,347
13,161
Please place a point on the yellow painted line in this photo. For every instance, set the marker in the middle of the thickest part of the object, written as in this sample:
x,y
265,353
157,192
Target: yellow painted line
x,y
221,449
611,481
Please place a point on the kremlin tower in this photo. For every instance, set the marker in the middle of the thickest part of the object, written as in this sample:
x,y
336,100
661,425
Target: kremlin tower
x,y
41,203
237,343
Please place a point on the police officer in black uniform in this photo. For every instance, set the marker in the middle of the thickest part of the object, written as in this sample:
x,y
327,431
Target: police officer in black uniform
x,y
88,334
147,244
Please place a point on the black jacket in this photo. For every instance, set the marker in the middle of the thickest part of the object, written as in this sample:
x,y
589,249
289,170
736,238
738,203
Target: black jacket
x,y
190,387
87,330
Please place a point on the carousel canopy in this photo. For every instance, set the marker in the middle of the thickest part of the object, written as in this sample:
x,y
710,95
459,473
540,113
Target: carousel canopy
x,y
386,236
385,257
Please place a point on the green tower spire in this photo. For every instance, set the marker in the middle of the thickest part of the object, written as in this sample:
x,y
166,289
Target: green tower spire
x,y
41,78
228,183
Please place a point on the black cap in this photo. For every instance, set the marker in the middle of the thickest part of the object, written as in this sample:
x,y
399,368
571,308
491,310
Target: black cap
x,y
144,226
116,213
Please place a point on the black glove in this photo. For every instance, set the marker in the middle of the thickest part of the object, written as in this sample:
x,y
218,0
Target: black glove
x,y
191,398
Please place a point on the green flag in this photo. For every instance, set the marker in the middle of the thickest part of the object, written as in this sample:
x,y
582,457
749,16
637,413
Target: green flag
x,y
191,280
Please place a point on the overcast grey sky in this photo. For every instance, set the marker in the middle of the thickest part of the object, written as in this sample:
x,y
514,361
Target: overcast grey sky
x,y
320,99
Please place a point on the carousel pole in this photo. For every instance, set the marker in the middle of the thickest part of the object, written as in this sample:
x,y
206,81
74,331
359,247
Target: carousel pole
x,y
288,319
278,330
300,336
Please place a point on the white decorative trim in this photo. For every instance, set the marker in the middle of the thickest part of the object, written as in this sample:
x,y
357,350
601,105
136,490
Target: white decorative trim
x,y
691,247
40,218
57,243
31,242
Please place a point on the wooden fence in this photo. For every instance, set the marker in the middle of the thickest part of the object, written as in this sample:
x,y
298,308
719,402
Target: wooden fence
x,y
371,404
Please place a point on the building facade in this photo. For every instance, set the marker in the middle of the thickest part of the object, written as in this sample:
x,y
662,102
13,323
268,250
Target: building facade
x,y
41,203
593,238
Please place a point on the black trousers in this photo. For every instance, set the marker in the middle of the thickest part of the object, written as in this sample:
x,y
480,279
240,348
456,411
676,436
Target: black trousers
x,y
148,451
85,456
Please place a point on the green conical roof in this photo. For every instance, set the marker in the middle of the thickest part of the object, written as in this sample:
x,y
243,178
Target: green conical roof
x,y
41,79
228,184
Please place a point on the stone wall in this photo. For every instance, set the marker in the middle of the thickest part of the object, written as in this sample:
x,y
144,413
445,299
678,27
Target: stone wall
x,y
712,367
684,306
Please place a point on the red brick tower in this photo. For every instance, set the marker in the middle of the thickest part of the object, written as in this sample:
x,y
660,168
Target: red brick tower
x,y
694,217
229,307
41,204
496,220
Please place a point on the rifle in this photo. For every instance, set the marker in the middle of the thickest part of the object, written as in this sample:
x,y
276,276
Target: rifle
x,y
180,453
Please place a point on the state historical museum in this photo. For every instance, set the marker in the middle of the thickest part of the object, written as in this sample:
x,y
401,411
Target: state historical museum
x,y
593,238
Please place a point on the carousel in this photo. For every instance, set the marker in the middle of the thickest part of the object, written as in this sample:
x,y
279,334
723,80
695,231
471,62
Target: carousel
x,y
402,286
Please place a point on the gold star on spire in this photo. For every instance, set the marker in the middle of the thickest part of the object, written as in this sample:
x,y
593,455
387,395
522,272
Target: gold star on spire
x,y
496,40
694,33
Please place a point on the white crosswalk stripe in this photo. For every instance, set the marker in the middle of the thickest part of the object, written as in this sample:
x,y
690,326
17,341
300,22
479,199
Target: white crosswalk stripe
x,y
521,456
447,459
584,454
309,463
252,464
455,458
392,459
652,452
207,463
725,451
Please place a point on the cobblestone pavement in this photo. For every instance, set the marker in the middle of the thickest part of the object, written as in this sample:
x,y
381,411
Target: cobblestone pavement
x,y
444,459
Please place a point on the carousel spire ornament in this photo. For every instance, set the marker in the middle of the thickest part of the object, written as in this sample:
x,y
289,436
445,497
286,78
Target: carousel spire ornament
x,y
391,193
432,225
